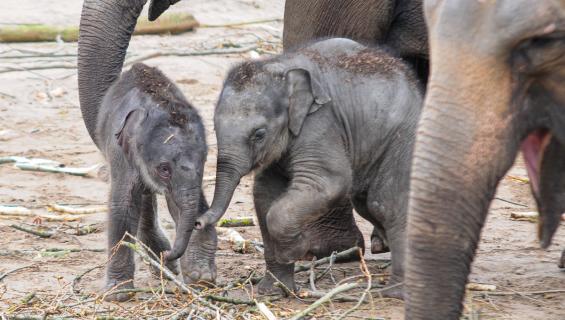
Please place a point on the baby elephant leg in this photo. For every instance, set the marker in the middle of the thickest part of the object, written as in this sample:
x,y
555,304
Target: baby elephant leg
x,y
267,188
124,210
198,264
334,231
151,234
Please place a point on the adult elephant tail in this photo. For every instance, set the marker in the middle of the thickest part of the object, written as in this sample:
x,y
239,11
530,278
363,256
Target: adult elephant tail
x,y
106,27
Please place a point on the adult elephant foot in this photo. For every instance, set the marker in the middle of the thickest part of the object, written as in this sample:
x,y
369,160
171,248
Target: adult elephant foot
x,y
114,285
277,273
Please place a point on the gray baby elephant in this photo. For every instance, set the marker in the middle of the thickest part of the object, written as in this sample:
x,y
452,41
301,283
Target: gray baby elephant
x,y
329,125
154,142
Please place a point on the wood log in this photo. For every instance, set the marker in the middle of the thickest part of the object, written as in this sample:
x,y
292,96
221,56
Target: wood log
x,y
172,23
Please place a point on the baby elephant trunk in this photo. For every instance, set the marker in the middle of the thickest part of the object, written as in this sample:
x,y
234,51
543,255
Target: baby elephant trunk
x,y
188,203
226,182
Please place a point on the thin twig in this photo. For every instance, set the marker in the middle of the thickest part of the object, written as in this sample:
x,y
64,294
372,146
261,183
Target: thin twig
x,y
343,255
189,53
313,275
242,23
78,277
511,202
210,308
328,296
5,274
526,293
367,274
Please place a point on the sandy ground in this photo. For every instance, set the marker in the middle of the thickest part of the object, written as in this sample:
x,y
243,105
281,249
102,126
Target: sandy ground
x,y
39,117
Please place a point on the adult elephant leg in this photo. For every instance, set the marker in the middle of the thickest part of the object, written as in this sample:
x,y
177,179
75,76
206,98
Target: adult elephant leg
x,y
150,232
198,263
268,186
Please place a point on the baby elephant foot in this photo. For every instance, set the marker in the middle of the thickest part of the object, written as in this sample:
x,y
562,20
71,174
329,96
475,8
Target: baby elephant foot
x,y
112,286
197,274
378,245
283,283
393,289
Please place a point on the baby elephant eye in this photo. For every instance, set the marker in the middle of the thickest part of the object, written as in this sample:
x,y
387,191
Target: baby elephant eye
x,y
164,170
260,134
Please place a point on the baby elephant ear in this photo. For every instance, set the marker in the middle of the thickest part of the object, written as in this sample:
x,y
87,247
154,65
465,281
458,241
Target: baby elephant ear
x,y
305,96
125,133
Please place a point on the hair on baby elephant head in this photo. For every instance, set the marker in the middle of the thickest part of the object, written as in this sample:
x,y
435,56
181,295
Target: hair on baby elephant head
x,y
262,105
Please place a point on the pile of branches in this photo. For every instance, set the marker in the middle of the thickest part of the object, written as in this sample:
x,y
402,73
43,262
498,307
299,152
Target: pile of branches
x,y
172,299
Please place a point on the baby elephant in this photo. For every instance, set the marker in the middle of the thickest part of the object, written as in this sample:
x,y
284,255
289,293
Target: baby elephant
x,y
154,142
329,124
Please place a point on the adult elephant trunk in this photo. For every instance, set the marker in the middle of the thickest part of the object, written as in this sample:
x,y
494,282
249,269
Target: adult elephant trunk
x,y
465,144
106,27
230,169
188,201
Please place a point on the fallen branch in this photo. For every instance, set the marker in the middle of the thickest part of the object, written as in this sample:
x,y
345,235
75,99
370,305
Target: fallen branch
x,y
83,172
265,311
236,222
15,211
5,274
329,295
531,216
75,210
229,300
325,298
343,255
319,294
41,234
519,179
27,298
239,244
189,53
480,287
6,69
169,274
168,23
79,277
527,293
511,202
